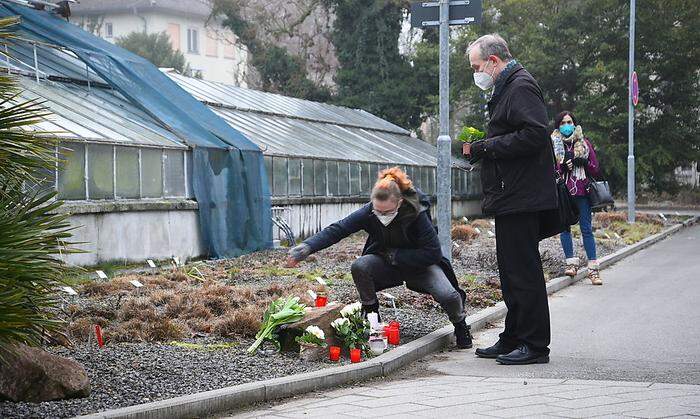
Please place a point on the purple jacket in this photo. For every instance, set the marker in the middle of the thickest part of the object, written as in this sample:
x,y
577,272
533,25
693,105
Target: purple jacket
x,y
578,187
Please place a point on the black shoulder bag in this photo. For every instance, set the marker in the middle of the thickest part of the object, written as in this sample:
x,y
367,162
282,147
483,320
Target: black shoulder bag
x,y
599,195
554,221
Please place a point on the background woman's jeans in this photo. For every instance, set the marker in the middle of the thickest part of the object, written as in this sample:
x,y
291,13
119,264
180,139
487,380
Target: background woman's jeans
x,y
585,221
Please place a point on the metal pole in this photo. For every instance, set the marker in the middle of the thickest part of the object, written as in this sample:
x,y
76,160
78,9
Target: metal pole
x,y
630,123
444,143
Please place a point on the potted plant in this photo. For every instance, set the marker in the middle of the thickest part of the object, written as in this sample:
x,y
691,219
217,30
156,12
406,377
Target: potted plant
x,y
468,136
313,338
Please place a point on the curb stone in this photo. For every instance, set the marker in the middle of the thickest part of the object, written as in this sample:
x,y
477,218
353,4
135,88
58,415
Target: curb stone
x,y
235,397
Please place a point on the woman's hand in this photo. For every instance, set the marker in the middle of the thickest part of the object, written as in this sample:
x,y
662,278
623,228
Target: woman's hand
x,y
297,254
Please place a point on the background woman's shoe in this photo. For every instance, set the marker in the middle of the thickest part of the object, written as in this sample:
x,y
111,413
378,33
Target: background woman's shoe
x,y
523,355
499,348
571,267
463,336
594,272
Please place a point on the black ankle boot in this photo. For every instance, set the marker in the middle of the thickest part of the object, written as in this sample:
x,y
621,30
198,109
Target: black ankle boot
x,y
371,308
463,335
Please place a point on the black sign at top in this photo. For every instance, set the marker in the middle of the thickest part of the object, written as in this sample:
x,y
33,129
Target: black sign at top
x,y
462,12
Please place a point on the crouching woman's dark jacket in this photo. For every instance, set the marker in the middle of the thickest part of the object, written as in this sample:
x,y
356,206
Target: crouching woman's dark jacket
x,y
410,238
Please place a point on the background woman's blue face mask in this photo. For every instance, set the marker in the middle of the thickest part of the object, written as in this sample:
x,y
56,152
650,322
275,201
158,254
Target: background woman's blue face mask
x,y
566,130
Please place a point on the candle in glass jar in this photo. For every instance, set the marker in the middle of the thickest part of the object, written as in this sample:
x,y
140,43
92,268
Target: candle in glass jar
x,y
355,355
393,336
334,353
321,300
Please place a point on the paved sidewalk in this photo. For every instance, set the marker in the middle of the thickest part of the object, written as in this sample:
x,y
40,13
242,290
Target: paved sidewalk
x,y
640,330
459,396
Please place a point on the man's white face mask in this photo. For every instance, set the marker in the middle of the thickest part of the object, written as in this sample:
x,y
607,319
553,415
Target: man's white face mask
x,y
483,80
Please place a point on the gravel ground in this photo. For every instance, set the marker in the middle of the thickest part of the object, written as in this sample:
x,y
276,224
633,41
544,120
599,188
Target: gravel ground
x,y
125,374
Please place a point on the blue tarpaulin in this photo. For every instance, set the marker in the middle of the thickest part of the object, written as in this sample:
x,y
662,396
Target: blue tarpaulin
x,y
229,179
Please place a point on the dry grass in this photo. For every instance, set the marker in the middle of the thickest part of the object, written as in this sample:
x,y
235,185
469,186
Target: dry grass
x,y
464,232
172,306
241,322
482,224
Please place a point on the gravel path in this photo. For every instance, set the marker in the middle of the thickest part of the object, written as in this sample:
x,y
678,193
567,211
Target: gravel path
x,y
125,374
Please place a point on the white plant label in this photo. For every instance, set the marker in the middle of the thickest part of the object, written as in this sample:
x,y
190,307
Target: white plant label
x,y
493,223
455,244
491,234
101,274
312,294
321,280
465,219
150,263
477,230
69,290
661,214
618,236
176,260
387,295
608,236
136,283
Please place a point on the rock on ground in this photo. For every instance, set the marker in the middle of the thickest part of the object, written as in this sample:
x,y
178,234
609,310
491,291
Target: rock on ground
x,y
34,375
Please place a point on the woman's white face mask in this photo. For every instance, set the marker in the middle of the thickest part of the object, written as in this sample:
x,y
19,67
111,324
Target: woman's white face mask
x,y
484,80
386,215
386,219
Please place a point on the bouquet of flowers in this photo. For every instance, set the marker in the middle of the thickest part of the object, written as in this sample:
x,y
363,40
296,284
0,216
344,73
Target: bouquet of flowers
x,y
281,311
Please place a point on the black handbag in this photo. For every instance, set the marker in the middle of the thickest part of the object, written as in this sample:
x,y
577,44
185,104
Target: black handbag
x,y
554,221
599,195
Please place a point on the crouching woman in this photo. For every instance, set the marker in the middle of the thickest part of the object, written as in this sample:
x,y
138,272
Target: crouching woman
x,y
402,247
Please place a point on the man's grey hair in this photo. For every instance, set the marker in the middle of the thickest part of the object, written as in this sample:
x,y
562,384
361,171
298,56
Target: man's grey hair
x,y
491,44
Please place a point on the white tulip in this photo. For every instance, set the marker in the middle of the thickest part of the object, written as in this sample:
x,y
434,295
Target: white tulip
x,y
316,331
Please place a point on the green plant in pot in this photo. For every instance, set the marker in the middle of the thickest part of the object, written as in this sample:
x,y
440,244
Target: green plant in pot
x,y
468,136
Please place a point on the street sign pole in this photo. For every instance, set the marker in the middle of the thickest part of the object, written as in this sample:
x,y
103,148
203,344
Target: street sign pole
x,y
631,197
443,14
444,142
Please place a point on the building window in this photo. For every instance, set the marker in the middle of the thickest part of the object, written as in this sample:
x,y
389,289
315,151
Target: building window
x,y
192,41
229,46
109,30
212,44
174,33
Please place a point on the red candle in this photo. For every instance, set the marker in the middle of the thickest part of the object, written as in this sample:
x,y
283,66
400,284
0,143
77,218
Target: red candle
x,y
392,336
98,334
321,300
394,325
355,355
334,353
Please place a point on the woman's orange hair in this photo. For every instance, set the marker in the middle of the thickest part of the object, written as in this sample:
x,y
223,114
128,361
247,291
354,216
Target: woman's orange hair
x,y
391,182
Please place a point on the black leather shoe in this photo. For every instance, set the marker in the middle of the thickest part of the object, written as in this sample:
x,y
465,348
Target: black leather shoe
x,y
523,355
499,348
463,336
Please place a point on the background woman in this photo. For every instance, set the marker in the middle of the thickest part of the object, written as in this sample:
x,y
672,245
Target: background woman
x,y
576,162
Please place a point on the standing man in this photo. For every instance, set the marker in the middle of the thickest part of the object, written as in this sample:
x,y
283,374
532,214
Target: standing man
x,y
517,177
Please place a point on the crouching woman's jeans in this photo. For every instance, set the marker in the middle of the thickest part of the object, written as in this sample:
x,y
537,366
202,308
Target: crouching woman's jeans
x,y
372,273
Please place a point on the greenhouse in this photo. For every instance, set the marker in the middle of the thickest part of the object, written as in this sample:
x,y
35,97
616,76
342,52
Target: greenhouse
x,y
127,179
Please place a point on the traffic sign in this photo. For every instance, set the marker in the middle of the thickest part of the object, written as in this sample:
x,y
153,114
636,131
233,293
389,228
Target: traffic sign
x,y
635,89
462,12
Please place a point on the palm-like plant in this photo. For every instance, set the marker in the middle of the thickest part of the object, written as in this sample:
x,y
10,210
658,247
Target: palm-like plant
x,y
31,233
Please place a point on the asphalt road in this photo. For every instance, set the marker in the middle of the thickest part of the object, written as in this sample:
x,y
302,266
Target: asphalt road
x,y
643,324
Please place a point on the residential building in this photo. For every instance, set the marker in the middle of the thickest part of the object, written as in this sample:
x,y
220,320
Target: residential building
x,y
212,52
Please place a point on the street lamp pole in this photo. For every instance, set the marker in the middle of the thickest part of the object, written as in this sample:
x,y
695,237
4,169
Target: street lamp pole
x,y
630,123
444,142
